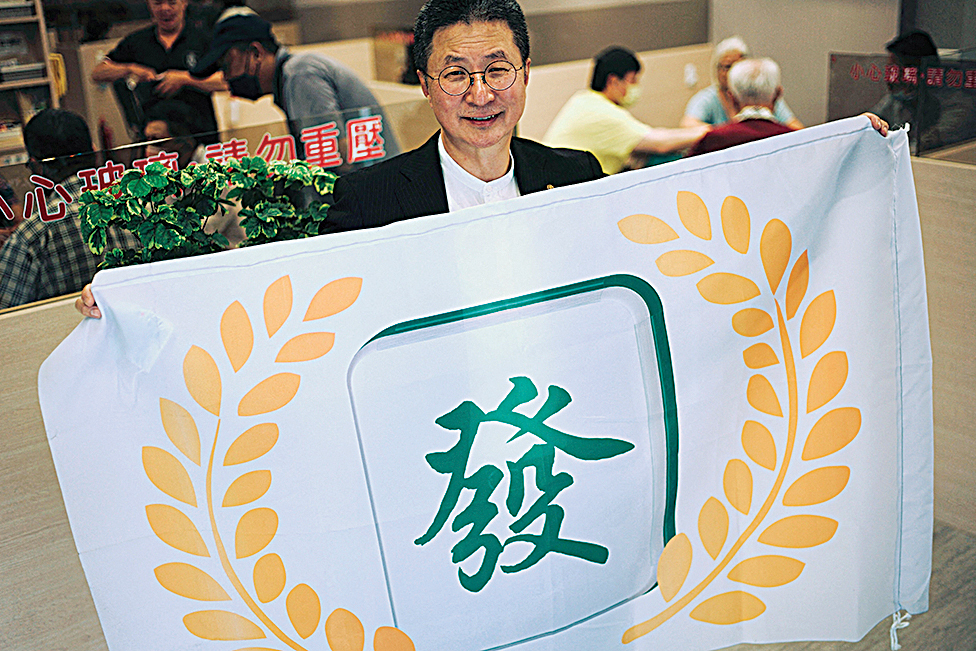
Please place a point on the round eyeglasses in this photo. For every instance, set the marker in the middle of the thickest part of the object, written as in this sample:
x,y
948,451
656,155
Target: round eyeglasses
x,y
455,80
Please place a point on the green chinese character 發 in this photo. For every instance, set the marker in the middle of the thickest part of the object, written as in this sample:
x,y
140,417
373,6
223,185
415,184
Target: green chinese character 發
x,y
466,418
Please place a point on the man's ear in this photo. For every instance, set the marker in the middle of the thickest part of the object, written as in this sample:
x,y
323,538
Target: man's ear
x,y
526,70
423,83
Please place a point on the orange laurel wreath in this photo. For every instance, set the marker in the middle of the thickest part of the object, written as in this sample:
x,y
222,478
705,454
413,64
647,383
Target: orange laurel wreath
x,y
257,527
831,432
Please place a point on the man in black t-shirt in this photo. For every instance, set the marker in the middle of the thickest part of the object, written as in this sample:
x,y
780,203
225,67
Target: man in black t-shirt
x,y
158,58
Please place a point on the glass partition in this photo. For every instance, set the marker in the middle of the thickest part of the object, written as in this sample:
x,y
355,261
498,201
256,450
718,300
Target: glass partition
x,y
338,142
935,95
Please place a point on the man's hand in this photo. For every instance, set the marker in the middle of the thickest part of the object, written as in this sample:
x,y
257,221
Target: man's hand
x,y
140,72
171,81
86,304
879,125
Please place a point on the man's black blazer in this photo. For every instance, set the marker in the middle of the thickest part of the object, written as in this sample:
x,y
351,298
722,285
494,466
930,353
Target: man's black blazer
x,y
412,184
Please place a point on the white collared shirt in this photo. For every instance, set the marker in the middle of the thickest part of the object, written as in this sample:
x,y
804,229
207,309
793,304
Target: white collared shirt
x,y
754,113
465,190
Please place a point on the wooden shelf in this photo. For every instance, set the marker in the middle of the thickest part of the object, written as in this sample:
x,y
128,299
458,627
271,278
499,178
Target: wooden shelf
x,y
36,34
22,20
24,83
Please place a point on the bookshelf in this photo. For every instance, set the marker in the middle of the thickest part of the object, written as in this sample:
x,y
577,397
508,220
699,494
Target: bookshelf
x,y
26,80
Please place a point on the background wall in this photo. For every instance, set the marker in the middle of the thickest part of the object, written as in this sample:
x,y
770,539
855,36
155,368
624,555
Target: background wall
x,y
800,35
952,23
559,30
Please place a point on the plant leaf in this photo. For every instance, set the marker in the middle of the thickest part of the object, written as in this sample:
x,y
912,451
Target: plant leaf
x,y
729,608
737,483
248,488
767,571
762,396
334,298
759,356
255,442
645,229
388,638
817,323
759,445
735,224
181,429
775,246
168,475
269,577
694,215
255,531
175,529
713,526
277,304
304,610
202,379
833,431
270,394
796,287
682,263
673,566
798,531
727,289
222,625
305,347
190,582
344,631
817,486
752,322
237,335
827,379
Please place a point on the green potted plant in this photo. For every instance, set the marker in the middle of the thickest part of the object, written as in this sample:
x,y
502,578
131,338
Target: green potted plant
x,y
167,210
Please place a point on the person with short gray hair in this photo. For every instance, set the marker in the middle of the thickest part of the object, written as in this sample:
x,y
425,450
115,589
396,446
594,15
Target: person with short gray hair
x,y
755,87
714,104
755,82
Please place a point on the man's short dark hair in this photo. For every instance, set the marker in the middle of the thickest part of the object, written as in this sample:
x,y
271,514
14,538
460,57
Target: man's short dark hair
x,y
181,121
437,14
617,61
61,141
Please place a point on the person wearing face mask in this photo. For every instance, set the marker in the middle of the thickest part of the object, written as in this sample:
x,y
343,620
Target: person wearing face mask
x,y
597,120
939,115
310,88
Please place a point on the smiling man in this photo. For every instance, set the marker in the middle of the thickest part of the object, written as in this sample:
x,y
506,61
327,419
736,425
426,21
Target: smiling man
x,y
472,58
160,57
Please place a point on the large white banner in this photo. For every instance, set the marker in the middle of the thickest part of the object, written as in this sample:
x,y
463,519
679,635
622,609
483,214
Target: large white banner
x,y
679,408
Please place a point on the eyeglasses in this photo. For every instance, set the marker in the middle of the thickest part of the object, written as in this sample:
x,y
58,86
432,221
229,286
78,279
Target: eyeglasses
x,y
455,80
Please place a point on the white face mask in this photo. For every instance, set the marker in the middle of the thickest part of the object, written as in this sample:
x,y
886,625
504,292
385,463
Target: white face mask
x,y
631,96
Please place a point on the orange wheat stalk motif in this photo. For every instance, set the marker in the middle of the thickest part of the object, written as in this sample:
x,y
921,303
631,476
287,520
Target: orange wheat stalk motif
x,y
257,527
834,430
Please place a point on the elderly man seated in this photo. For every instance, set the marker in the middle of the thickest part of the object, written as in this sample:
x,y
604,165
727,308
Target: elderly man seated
x,y
714,105
755,88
